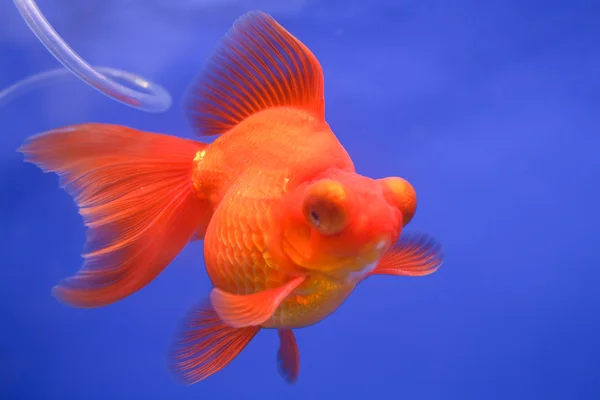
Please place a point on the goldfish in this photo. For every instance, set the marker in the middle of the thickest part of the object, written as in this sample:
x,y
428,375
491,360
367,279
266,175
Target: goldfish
x,y
289,228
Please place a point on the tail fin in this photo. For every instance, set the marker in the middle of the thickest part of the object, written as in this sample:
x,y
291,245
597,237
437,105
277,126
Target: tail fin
x,y
136,195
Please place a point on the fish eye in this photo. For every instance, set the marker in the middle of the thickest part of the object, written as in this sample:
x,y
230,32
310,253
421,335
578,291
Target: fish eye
x,y
323,207
314,217
400,194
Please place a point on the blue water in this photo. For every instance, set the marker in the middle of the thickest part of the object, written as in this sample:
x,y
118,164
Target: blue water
x,y
492,111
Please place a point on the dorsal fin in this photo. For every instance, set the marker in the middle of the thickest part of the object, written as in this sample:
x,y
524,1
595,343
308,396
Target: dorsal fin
x,y
258,65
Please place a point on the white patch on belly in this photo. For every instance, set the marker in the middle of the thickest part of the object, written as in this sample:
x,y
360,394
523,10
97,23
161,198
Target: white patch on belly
x,y
367,269
360,275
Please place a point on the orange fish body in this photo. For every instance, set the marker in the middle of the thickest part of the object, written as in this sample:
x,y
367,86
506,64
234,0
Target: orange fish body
x,y
278,149
289,227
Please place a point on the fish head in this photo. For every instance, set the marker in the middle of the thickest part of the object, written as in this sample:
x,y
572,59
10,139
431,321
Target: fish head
x,y
343,222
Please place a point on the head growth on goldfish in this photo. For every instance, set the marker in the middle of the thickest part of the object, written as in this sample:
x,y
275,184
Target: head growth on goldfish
x,y
342,222
289,227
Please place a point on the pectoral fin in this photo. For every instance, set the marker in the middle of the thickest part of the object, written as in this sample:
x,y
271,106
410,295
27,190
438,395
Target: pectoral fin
x,y
413,255
239,311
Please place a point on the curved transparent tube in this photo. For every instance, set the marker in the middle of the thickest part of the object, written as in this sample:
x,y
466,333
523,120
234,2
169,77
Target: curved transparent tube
x,y
156,98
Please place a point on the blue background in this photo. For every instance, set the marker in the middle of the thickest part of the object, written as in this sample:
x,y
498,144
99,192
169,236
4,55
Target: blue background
x,y
490,109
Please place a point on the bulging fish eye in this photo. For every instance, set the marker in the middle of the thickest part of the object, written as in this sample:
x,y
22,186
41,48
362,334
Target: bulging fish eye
x,y
401,194
324,208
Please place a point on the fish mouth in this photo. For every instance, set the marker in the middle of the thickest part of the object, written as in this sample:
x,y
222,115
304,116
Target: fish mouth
x,y
368,260
338,266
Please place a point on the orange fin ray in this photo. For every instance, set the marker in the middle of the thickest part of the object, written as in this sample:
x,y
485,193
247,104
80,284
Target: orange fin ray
x,y
259,65
136,197
239,311
288,356
413,255
206,345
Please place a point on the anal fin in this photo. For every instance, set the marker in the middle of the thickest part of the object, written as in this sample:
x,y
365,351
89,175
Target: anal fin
x,y
206,345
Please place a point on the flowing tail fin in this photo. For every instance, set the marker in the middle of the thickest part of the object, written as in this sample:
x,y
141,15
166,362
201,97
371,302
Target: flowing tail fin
x,y
135,192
